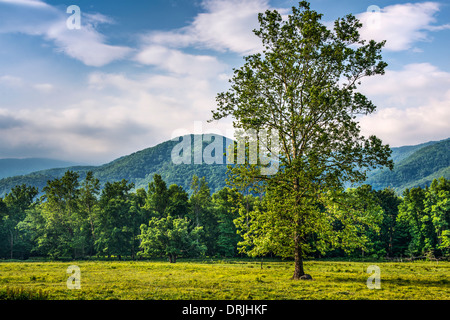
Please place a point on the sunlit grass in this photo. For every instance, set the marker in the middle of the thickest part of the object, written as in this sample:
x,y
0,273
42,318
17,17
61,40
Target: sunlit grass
x,y
229,280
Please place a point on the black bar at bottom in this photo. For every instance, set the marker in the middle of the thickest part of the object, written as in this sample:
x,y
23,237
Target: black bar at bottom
x,y
221,309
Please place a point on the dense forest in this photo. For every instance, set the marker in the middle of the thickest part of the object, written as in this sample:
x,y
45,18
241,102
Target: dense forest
x,y
80,218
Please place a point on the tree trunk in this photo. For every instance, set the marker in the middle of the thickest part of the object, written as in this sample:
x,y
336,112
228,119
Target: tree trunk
x,y
390,243
11,244
298,256
172,258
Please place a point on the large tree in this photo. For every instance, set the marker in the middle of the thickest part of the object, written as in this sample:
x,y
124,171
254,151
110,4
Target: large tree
x,y
14,206
202,213
171,237
303,86
157,197
88,205
426,214
61,234
437,209
114,228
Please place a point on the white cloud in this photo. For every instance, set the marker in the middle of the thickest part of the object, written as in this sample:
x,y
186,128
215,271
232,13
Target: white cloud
x,y
402,25
177,62
413,85
410,126
85,45
11,81
225,25
413,105
44,87
116,115
39,19
31,3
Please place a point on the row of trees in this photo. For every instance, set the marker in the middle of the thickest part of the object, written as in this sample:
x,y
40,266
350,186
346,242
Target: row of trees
x,y
415,224
78,219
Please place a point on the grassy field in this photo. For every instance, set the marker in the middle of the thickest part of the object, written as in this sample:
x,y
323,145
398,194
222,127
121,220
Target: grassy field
x,y
224,280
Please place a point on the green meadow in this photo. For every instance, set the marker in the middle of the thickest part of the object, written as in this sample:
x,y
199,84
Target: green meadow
x,y
223,280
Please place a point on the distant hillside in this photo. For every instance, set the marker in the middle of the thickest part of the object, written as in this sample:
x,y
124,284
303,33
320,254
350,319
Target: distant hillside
x,y
414,166
400,153
138,168
14,167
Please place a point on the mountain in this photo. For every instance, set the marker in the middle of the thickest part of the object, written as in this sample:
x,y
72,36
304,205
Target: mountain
x,y
414,166
400,153
14,167
138,168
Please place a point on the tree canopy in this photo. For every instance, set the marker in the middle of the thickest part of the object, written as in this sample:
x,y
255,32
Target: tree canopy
x,y
303,86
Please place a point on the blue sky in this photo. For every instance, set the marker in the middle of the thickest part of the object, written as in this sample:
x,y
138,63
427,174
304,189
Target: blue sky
x,y
140,72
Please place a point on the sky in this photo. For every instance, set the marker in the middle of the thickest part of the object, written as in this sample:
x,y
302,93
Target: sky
x,y
137,73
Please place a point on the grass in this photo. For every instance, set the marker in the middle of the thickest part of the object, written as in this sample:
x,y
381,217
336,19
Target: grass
x,y
223,280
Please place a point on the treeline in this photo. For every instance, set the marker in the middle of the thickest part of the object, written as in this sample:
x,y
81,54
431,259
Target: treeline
x,y
79,219
414,225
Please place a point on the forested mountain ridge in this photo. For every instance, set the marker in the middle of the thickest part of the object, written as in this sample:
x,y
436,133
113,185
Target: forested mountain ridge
x,y
401,153
138,168
415,165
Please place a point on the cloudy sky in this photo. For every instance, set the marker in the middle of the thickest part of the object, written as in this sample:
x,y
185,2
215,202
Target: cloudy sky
x,y
137,72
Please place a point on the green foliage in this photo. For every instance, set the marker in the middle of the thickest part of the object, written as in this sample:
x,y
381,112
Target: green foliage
x,y
12,212
303,87
202,213
426,212
171,237
339,220
392,240
226,206
157,197
437,208
74,219
115,225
